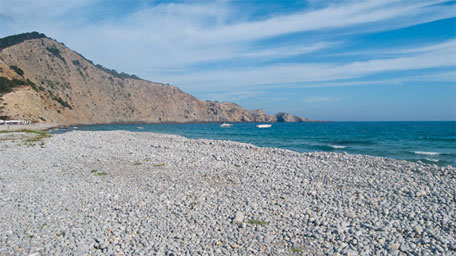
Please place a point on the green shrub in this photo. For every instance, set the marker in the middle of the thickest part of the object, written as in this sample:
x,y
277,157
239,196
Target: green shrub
x,y
7,85
114,73
16,39
61,102
55,52
257,222
18,71
297,250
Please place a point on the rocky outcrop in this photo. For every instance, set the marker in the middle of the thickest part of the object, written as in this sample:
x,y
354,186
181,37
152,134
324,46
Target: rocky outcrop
x,y
284,117
61,86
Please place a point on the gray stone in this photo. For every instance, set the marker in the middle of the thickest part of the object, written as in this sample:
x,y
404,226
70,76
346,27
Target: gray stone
x,y
239,218
350,214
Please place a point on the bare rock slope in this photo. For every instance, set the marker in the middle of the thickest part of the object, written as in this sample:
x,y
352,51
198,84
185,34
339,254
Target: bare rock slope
x,y
56,84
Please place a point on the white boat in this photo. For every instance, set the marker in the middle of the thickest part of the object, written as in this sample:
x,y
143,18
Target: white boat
x,y
140,128
226,125
264,125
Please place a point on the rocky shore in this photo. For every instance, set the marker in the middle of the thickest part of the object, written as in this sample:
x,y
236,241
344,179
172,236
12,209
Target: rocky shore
x,y
124,193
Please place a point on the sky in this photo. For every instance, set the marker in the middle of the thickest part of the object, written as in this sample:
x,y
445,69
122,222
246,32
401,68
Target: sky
x,y
381,60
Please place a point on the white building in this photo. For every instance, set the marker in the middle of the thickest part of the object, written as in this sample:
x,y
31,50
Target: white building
x,y
15,122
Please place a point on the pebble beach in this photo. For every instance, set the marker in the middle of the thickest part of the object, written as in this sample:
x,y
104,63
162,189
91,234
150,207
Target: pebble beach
x,y
127,193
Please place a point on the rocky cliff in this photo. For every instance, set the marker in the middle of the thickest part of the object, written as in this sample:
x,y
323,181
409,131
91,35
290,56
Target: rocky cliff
x,y
44,81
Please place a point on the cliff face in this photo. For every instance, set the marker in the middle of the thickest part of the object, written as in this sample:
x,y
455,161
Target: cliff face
x,y
60,86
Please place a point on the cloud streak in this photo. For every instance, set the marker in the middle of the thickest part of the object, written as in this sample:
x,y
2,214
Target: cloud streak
x,y
436,56
179,35
319,99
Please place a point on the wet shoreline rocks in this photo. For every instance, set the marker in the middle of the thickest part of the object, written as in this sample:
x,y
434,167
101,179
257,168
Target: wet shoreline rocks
x,y
124,193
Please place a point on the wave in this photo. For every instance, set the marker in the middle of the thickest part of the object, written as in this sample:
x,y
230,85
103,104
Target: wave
x,y
438,139
328,147
426,153
336,146
353,142
439,162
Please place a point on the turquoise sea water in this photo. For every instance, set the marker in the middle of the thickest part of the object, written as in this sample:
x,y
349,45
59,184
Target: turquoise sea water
x,y
431,142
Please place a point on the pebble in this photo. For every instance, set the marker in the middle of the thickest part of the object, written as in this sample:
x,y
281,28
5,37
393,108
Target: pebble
x,y
125,193
395,246
239,218
350,214
393,252
418,229
421,193
351,253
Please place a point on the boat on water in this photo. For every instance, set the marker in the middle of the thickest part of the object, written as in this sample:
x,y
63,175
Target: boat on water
x,y
264,125
226,125
140,128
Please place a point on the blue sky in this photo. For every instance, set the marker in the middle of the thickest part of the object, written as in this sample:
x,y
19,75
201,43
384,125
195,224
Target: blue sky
x,y
325,60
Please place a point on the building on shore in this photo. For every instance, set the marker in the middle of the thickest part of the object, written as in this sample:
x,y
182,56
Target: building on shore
x,y
14,122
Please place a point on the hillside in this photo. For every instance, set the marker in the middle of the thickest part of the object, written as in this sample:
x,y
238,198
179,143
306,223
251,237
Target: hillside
x,y
42,80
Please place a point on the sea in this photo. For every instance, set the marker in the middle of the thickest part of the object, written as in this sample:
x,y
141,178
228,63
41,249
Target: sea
x,y
429,142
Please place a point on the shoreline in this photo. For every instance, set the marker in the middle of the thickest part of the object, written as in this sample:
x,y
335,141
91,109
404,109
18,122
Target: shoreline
x,y
35,126
196,122
50,127
376,147
120,192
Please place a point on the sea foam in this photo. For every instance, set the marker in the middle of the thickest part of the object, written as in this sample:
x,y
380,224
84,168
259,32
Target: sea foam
x,y
337,146
426,153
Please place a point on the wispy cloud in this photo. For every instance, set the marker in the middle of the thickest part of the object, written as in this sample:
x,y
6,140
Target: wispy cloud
x,y
176,35
438,56
286,51
320,99
233,96
331,17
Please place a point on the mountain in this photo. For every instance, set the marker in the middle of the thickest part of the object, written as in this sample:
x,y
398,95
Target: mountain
x,y
42,80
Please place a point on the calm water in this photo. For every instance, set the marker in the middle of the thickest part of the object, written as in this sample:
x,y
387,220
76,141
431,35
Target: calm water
x,y
431,142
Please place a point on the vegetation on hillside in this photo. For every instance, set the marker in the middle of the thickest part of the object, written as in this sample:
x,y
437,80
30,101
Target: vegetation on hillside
x,y
7,85
114,73
55,52
16,39
18,71
60,101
